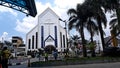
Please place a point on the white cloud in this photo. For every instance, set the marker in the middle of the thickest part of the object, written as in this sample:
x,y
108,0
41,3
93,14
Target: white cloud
x,y
41,7
4,36
6,9
59,7
67,3
26,25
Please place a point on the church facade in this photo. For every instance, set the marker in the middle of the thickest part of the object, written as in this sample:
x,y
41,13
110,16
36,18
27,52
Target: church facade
x,y
47,32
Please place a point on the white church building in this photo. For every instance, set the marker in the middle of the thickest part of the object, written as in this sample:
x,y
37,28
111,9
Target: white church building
x,y
47,32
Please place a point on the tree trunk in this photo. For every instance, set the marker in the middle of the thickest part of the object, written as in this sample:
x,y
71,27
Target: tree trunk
x,y
93,50
118,15
83,42
91,34
101,33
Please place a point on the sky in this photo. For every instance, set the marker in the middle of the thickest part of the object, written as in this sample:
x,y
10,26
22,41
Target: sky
x,y
15,23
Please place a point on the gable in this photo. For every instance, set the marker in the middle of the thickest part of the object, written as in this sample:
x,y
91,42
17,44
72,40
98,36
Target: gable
x,y
48,13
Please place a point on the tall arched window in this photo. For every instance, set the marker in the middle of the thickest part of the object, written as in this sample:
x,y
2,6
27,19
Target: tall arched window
x,y
36,40
42,36
33,42
29,43
64,40
56,36
61,39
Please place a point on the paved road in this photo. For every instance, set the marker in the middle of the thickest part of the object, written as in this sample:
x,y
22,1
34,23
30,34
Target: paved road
x,y
100,65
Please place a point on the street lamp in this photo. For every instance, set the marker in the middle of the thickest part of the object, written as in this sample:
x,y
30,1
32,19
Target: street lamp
x,y
65,30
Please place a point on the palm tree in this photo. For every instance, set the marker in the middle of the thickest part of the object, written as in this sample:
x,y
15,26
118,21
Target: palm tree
x,y
9,45
77,20
112,5
115,29
97,13
92,29
114,25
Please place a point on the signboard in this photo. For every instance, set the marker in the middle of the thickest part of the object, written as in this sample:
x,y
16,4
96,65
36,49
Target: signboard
x,y
28,5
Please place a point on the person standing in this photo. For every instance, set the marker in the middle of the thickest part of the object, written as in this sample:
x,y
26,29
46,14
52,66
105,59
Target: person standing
x,y
5,56
55,54
46,56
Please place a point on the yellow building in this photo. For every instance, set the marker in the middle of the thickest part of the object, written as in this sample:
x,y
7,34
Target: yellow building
x,y
18,45
16,41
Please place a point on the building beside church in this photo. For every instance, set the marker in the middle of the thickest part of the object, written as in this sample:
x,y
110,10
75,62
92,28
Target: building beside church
x,y
47,32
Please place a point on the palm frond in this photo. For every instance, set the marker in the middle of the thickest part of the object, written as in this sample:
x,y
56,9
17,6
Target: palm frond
x,y
71,11
71,23
113,21
92,27
71,17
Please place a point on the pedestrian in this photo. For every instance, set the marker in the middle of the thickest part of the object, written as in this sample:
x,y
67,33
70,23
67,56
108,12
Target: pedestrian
x,y
5,56
46,56
38,55
55,54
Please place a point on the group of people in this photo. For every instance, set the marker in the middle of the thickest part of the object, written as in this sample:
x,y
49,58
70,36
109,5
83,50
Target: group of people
x,y
55,55
4,56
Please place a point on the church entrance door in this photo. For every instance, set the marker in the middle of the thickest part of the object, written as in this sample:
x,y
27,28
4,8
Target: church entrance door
x,y
49,49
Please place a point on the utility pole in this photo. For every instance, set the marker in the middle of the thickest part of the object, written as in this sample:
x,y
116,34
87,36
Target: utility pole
x,y
65,30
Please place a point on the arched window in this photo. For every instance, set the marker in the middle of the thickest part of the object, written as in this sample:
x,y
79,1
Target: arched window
x,y
61,38
33,42
42,36
56,36
36,40
29,43
64,40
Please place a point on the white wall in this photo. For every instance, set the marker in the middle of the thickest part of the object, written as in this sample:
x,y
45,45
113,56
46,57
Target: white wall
x,y
29,36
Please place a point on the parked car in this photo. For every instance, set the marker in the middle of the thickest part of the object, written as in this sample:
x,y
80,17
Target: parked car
x,y
111,51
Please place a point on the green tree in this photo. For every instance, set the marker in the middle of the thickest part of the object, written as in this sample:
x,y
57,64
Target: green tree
x,y
92,29
114,27
9,45
96,12
77,20
111,5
